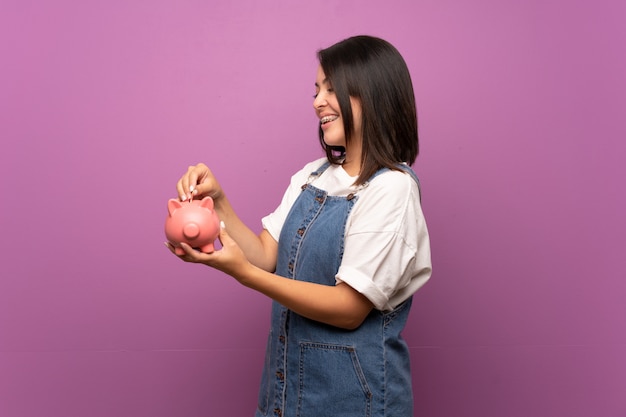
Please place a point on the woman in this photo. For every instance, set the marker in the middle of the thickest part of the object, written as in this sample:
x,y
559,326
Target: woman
x,y
344,252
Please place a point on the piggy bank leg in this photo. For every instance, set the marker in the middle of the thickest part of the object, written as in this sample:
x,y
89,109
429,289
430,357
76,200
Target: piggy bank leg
x,y
208,248
179,251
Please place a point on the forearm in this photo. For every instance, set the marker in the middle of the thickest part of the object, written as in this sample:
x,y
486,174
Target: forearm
x,y
253,246
338,305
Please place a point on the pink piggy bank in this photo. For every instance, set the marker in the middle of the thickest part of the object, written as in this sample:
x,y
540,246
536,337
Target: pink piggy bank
x,y
194,222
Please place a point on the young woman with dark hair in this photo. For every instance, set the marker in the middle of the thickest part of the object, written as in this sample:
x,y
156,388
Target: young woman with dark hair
x,y
374,73
345,250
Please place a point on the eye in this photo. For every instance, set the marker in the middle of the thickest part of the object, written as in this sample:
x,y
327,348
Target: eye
x,y
328,90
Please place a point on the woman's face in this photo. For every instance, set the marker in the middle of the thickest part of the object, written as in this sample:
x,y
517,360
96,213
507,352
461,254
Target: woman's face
x,y
327,109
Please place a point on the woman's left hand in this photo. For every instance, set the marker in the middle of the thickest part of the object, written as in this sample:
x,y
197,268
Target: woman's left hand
x,y
230,259
338,305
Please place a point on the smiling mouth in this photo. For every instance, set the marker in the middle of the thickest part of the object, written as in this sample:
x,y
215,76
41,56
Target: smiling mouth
x,y
328,119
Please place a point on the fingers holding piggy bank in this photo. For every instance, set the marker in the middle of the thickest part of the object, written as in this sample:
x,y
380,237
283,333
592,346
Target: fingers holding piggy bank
x,y
193,222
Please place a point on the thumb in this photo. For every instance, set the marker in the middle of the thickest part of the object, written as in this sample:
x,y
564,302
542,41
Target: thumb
x,y
223,236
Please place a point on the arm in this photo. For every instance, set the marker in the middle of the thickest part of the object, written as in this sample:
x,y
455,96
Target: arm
x,y
261,250
198,182
338,305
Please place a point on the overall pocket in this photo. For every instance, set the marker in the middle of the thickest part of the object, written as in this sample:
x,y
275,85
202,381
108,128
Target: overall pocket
x,y
331,382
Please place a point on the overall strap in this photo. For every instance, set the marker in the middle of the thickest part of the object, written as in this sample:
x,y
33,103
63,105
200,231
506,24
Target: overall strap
x,y
316,174
404,167
321,169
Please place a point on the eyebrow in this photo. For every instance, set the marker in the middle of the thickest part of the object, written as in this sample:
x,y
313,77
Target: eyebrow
x,y
324,81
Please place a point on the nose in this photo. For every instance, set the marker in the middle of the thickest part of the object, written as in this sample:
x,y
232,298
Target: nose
x,y
319,101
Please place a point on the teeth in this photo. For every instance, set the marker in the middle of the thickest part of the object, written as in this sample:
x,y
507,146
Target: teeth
x,y
327,119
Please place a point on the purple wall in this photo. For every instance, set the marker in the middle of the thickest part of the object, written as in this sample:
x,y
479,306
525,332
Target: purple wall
x,y
104,104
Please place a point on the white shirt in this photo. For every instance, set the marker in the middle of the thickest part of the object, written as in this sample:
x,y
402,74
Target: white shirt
x,y
387,248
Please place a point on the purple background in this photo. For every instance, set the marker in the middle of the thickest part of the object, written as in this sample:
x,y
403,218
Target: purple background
x,y
103,105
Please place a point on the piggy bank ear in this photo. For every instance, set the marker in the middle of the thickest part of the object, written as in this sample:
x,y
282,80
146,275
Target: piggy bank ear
x,y
173,205
207,202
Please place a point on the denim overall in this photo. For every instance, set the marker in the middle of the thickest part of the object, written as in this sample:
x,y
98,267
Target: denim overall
x,y
316,370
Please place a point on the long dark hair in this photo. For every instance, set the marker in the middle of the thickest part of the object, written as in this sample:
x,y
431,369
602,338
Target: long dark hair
x,y
373,71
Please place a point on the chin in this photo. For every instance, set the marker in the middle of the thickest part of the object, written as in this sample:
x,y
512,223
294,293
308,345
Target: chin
x,y
334,143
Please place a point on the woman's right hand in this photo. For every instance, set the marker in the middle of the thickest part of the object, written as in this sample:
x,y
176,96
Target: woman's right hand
x,y
198,181
260,250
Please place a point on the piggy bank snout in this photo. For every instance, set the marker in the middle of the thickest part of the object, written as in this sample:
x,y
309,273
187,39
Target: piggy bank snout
x,y
191,230
195,223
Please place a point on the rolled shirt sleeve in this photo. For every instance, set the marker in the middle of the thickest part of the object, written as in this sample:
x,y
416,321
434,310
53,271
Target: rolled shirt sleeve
x,y
387,248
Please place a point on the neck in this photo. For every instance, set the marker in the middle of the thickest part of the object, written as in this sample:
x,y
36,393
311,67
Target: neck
x,y
352,162
351,166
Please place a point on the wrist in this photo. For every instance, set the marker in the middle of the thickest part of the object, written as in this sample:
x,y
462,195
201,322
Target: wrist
x,y
245,275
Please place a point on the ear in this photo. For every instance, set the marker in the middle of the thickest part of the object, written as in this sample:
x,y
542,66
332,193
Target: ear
x,y
207,202
173,205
